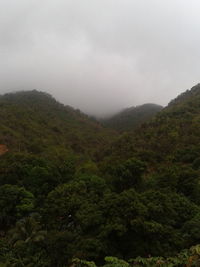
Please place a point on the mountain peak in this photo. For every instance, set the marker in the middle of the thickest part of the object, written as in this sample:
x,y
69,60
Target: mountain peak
x,y
30,117
187,95
24,97
130,118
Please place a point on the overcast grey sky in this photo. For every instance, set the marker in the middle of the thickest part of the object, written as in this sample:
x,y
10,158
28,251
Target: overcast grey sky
x,y
100,55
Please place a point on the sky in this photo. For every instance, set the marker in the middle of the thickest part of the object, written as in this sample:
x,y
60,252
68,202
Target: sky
x,y
100,56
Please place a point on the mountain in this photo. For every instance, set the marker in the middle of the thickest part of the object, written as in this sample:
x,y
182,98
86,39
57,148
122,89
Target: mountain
x,y
35,122
130,118
72,191
173,132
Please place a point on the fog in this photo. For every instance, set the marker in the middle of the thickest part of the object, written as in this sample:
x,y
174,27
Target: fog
x,y
100,55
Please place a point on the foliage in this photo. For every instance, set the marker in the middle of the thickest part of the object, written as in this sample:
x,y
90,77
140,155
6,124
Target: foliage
x,y
15,202
130,118
186,258
71,189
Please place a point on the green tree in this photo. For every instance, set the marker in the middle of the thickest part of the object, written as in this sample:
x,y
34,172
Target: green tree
x,y
128,174
15,203
27,230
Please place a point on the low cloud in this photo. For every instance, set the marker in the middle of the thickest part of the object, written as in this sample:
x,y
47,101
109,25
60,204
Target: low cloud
x,y
100,56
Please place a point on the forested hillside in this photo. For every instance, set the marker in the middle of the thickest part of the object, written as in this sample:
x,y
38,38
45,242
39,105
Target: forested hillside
x,y
133,197
130,118
35,122
171,135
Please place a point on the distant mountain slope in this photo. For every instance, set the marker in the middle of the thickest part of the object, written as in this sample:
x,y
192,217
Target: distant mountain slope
x,y
187,96
130,118
34,121
173,134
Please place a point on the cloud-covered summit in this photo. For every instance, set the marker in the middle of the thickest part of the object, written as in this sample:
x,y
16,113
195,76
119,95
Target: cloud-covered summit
x,y
100,56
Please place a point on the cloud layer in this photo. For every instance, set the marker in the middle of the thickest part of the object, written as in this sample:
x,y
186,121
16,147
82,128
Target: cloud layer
x,y
100,55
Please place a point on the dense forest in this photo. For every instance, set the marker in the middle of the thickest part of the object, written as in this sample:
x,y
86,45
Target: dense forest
x,y
130,118
74,192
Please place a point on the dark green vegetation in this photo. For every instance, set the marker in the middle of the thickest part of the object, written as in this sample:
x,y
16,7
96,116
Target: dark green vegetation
x,y
187,258
36,123
130,118
70,190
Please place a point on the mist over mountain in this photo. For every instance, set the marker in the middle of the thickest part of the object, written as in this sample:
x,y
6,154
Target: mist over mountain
x,y
99,133
100,56
130,118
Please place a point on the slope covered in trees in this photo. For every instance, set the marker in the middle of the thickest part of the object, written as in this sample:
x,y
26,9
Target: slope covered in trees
x,y
171,134
130,118
135,198
35,122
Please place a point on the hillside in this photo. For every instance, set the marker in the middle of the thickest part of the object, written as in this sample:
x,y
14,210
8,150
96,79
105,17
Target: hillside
x,y
130,118
35,122
176,129
135,197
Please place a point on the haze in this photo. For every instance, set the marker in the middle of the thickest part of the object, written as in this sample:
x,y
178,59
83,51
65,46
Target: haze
x,y
100,55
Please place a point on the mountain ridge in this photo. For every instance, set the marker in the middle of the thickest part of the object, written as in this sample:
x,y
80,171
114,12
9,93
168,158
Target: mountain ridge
x,y
176,126
130,118
34,115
